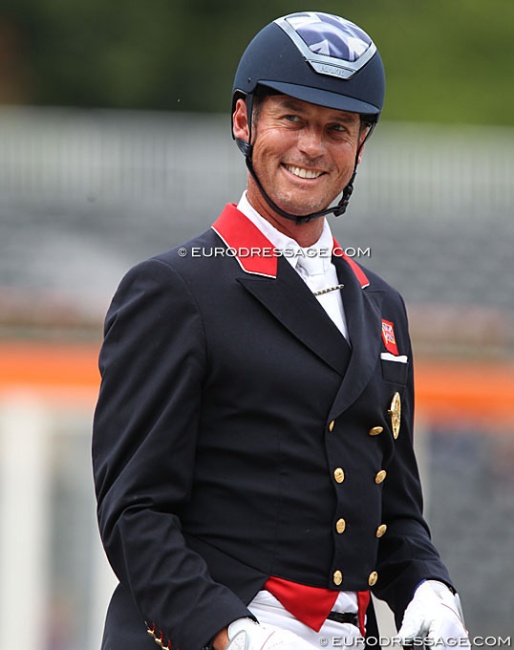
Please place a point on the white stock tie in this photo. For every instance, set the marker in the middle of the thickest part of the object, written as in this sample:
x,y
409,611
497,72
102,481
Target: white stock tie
x,y
311,267
316,269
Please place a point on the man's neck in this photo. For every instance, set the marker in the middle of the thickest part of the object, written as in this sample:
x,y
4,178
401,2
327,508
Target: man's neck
x,y
305,234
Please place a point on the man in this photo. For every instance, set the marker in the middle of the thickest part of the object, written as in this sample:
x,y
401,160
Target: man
x,y
252,448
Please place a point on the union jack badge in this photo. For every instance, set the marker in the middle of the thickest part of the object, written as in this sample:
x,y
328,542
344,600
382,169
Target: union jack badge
x,y
388,337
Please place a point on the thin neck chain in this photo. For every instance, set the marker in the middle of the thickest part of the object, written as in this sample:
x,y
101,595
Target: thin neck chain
x,y
328,290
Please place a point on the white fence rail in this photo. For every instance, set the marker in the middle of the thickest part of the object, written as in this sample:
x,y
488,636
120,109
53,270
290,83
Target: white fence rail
x,y
54,579
188,163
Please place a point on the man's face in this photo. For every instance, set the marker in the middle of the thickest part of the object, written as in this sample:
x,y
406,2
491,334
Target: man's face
x,y
303,154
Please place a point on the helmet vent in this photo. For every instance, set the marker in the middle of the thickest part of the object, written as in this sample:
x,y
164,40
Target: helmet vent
x,y
331,45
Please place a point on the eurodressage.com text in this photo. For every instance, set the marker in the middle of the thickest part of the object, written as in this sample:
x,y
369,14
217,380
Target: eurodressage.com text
x,y
417,642
268,252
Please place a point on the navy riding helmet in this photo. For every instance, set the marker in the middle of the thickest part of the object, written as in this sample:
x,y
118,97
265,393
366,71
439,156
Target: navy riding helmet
x,y
318,58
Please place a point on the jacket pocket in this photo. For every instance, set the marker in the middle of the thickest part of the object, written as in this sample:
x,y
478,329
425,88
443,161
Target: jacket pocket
x,y
395,371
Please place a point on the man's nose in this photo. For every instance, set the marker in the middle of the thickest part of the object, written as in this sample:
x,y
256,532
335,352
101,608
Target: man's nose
x,y
311,142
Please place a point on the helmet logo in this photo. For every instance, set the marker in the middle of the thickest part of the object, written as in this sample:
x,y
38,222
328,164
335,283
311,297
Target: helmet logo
x,y
331,44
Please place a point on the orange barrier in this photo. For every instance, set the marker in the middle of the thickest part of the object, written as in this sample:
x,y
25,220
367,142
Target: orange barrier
x,y
54,370
464,392
453,392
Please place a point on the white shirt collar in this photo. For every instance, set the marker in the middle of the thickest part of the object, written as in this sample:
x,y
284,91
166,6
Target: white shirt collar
x,y
283,242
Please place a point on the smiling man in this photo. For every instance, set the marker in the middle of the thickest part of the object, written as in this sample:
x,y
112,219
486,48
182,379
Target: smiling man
x,y
253,438
305,154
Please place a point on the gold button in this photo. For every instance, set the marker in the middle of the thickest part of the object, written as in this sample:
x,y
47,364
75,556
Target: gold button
x,y
395,411
375,431
332,425
339,475
381,530
380,476
340,526
373,577
337,578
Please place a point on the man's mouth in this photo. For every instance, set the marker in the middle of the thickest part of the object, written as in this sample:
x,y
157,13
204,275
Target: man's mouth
x,y
301,172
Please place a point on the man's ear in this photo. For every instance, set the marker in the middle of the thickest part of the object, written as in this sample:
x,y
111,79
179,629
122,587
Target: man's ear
x,y
240,121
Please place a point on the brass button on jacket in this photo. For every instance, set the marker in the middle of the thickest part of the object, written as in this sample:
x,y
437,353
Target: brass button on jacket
x,y
337,578
340,526
373,577
380,532
395,411
339,475
375,431
332,425
380,476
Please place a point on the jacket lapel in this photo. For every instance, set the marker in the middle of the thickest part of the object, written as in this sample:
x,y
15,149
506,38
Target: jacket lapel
x,y
362,306
277,286
291,302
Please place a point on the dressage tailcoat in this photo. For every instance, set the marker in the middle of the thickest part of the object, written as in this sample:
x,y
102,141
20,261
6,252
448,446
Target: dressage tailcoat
x,y
238,436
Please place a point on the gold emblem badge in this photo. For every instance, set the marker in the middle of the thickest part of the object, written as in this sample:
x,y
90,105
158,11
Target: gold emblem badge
x,y
395,411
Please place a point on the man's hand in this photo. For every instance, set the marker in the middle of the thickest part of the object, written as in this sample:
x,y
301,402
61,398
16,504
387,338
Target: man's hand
x,y
435,615
246,634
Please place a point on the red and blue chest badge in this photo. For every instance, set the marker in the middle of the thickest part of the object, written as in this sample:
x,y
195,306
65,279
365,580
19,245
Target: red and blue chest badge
x,y
388,337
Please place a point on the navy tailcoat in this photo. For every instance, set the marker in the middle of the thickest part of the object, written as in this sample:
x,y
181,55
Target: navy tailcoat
x,y
238,436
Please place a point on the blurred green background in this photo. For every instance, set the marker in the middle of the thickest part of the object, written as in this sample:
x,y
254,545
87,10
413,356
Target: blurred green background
x,y
446,61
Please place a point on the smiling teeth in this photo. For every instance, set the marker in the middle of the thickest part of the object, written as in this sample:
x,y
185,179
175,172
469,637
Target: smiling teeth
x,y
303,173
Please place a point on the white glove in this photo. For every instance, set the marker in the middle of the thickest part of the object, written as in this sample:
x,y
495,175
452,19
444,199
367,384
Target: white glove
x,y
246,634
434,614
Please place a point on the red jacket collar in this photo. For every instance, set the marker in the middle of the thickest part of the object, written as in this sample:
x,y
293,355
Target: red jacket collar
x,y
254,252
338,251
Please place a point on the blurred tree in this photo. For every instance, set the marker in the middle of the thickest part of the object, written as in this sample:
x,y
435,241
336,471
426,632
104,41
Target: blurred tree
x,y
13,81
445,62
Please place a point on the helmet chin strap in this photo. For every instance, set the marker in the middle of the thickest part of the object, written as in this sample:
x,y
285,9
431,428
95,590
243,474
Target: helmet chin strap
x,y
339,209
